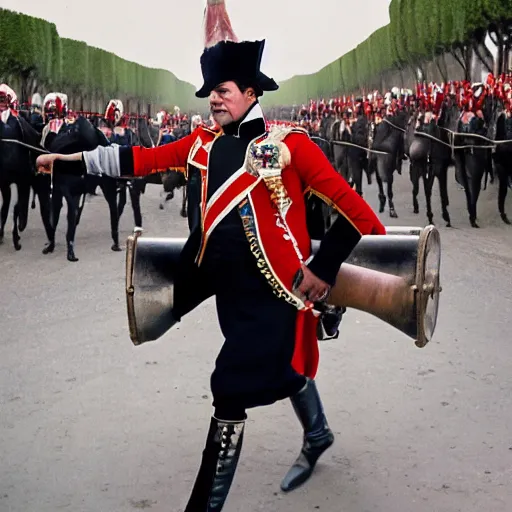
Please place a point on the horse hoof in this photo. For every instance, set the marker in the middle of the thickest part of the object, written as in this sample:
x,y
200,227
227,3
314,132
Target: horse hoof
x,y
17,246
505,219
116,248
49,248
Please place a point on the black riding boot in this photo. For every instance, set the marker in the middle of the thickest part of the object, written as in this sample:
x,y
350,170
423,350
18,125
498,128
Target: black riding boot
x,y
218,466
317,435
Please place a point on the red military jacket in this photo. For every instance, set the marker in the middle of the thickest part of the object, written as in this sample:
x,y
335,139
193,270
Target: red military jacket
x,y
281,166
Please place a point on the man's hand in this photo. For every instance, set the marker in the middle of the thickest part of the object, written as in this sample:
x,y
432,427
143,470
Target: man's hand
x,y
312,287
44,163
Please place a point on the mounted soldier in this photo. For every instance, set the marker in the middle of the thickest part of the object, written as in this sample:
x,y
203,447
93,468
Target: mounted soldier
x,y
16,163
67,133
251,249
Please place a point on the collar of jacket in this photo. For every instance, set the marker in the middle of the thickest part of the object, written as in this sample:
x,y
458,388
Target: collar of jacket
x,y
251,125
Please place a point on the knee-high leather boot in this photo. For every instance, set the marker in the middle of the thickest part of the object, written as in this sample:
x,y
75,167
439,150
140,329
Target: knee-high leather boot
x,y
218,466
317,435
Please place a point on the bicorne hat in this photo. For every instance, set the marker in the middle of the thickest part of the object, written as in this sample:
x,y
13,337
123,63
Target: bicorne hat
x,y
225,59
231,61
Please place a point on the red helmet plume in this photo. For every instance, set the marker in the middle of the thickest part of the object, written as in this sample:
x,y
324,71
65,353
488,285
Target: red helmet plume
x,y
217,25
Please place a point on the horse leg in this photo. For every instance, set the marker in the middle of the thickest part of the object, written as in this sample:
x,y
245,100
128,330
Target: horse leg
x,y
41,185
109,189
475,171
459,169
55,208
4,212
15,232
392,212
461,173
21,213
135,193
382,196
490,168
122,200
184,202
385,170
357,174
428,182
503,177
369,168
414,174
73,201
443,192
33,204
163,199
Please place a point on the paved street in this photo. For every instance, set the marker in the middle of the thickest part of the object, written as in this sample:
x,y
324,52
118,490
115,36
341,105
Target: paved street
x,y
90,423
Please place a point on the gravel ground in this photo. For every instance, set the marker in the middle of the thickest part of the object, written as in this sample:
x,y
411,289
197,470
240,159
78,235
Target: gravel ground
x,y
90,423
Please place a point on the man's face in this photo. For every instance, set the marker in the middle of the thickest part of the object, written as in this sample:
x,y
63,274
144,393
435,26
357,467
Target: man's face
x,y
4,102
228,103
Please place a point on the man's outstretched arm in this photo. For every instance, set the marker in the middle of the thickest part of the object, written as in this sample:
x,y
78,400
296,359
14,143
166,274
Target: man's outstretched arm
x,y
126,161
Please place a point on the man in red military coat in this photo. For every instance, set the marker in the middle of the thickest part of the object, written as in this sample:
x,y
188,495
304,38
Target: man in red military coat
x,y
249,246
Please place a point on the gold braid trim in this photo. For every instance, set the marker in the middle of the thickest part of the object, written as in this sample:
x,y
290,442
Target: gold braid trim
x,y
247,214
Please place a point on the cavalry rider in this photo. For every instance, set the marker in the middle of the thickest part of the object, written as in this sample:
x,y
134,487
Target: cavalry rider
x,y
12,125
64,130
16,161
251,249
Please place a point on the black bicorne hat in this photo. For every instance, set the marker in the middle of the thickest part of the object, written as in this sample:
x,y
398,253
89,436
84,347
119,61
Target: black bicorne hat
x,y
238,62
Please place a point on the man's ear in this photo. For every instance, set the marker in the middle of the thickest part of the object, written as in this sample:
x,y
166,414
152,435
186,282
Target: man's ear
x,y
251,93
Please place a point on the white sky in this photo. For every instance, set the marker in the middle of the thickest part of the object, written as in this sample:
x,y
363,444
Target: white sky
x,y
302,36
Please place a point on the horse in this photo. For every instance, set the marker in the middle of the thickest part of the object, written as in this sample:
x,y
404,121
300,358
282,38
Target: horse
x,y
67,180
428,147
503,154
387,136
472,151
17,168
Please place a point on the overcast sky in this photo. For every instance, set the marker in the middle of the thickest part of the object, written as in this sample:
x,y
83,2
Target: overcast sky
x,y
302,36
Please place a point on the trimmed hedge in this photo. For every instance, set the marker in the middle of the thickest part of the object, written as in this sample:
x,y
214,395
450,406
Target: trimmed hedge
x,y
419,30
32,48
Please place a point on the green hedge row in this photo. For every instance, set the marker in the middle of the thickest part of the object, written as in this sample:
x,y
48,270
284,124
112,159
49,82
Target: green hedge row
x,y
418,31
32,48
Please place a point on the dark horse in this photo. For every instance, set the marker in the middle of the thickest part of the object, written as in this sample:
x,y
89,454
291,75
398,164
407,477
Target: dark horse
x,y
503,155
17,168
474,154
387,137
67,181
427,145
352,159
135,187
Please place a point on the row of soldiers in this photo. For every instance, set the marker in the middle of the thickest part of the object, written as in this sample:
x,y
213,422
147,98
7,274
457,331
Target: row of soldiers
x,y
50,125
427,97
51,113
